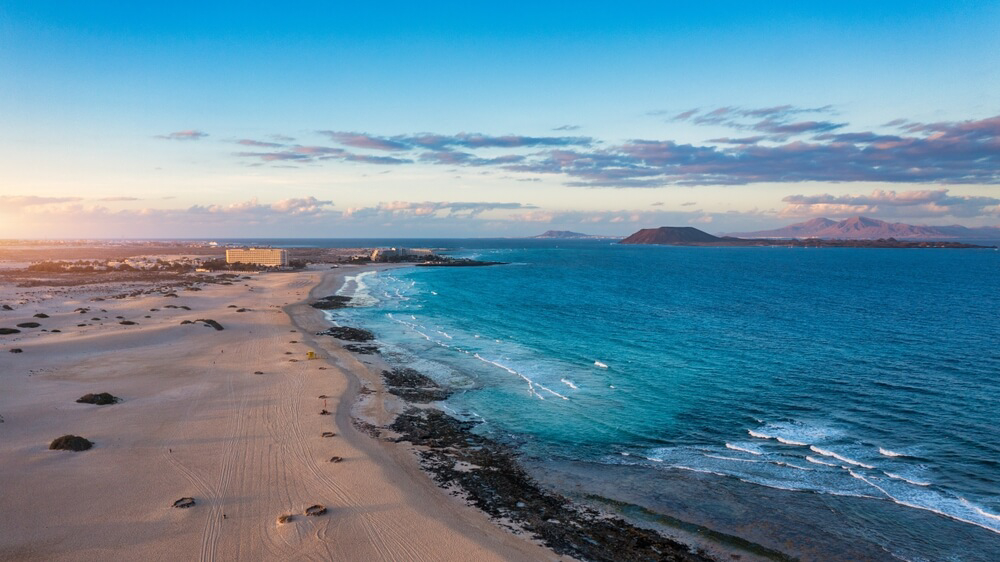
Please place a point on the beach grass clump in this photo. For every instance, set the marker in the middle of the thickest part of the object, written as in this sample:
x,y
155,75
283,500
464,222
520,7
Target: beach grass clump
x,y
212,323
70,443
286,518
99,399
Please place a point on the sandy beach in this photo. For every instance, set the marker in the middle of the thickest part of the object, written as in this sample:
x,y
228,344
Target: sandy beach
x,y
196,420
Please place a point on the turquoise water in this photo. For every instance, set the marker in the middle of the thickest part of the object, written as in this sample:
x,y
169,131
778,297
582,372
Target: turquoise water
x,y
856,373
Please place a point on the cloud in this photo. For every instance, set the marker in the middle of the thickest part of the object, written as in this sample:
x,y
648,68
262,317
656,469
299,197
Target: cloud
x,y
361,140
966,152
300,153
113,199
566,128
263,144
434,141
962,152
743,140
456,158
189,135
926,203
776,121
404,209
281,138
14,203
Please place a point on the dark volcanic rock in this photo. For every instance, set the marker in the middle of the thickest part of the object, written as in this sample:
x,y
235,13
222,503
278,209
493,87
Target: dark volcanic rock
x,y
361,348
347,333
8,331
41,315
127,323
28,325
16,350
100,399
332,302
495,483
315,510
70,443
211,323
6,307
184,503
413,386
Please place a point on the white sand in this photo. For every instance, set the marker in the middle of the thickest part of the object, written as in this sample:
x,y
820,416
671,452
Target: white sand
x,y
196,421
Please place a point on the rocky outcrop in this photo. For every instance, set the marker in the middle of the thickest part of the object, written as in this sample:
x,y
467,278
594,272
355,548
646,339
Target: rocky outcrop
x,y
347,333
70,443
100,399
332,302
493,481
414,386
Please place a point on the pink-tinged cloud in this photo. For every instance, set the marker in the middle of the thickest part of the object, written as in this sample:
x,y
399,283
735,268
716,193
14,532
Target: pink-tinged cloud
x,y
188,135
262,144
14,203
924,203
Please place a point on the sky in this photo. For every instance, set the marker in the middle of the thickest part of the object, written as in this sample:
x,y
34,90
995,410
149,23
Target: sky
x,y
297,119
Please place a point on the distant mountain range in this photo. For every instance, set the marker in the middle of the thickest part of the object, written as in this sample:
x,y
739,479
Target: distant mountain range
x,y
864,228
689,236
570,235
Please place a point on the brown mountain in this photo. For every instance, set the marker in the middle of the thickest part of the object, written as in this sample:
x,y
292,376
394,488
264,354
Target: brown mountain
x,y
864,228
670,235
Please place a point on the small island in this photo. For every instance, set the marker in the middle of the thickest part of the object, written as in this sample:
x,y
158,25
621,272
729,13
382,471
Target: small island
x,y
570,235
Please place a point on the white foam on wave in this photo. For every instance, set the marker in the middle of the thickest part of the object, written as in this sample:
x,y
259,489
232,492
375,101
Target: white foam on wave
x,y
827,453
531,383
722,458
980,510
743,449
814,460
905,479
944,506
600,365
361,295
569,383
779,439
888,453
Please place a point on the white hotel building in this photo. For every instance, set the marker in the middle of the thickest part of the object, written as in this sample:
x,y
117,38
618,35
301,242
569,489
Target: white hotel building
x,y
268,257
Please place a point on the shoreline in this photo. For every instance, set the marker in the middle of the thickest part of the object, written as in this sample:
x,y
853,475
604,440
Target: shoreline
x,y
227,417
401,413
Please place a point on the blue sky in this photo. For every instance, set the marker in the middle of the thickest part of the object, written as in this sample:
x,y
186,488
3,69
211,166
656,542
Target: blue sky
x,y
123,119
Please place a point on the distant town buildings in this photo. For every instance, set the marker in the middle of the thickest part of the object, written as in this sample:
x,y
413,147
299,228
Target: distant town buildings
x,y
267,257
393,254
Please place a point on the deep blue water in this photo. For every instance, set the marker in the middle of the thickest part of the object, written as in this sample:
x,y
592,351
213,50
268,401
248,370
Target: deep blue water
x,y
864,373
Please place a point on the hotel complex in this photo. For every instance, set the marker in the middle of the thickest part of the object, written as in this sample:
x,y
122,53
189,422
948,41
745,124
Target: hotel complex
x,y
268,257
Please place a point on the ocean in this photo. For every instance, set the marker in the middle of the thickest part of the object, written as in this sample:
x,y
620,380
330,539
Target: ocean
x,y
829,403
